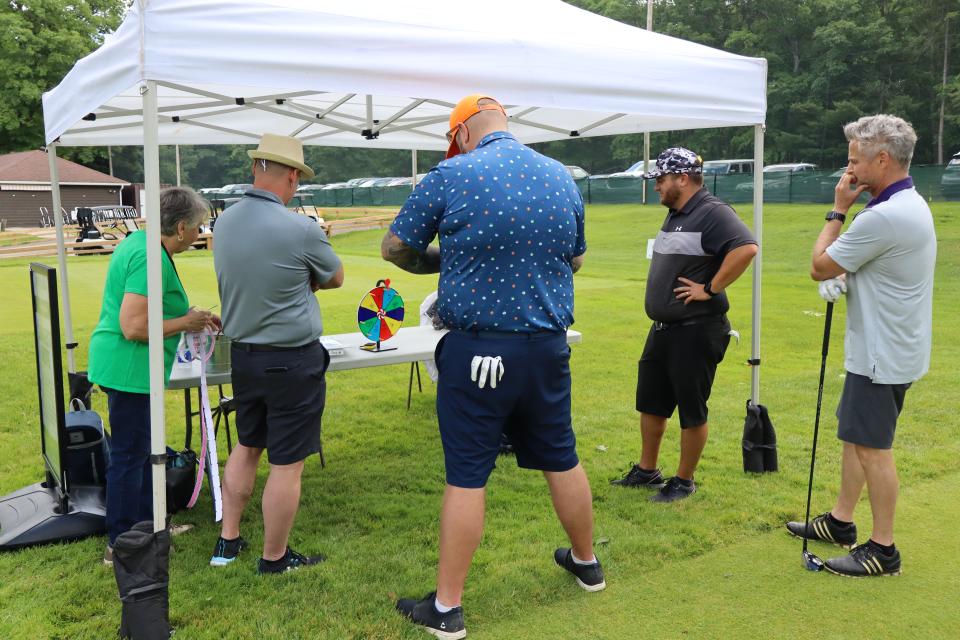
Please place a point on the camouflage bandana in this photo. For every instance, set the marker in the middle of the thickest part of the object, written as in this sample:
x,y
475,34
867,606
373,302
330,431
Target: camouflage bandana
x,y
676,160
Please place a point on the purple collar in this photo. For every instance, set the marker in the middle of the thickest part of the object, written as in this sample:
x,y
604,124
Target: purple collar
x,y
896,187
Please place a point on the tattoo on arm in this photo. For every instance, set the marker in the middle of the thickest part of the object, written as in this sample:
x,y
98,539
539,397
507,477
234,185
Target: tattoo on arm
x,y
394,250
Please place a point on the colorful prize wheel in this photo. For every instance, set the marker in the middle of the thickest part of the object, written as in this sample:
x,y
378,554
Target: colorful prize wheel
x,y
380,314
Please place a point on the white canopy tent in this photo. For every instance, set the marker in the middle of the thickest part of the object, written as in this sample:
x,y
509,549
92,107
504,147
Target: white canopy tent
x,y
382,74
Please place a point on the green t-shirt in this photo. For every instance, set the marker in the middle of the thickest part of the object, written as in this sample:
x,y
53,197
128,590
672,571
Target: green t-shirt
x,y
114,361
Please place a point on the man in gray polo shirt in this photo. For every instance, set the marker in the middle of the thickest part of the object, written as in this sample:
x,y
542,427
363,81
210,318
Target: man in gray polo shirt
x,y
269,261
885,263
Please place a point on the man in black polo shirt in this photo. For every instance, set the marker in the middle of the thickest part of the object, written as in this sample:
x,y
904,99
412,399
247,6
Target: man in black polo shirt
x,y
701,249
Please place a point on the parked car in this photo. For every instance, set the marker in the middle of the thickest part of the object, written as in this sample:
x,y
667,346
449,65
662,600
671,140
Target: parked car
x,y
950,180
234,190
728,167
779,176
355,182
576,172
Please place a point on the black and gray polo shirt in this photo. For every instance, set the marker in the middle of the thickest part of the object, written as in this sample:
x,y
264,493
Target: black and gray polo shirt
x,y
692,243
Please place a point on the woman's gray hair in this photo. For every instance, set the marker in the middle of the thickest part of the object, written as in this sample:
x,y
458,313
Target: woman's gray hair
x,y
181,204
884,132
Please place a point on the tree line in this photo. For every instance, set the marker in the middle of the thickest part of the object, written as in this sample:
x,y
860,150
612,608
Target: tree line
x,y
829,62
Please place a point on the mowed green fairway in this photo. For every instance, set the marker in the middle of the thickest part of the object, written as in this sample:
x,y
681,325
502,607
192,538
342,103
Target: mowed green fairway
x,y
718,565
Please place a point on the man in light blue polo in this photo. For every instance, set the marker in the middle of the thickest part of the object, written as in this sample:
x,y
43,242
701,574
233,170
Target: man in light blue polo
x,y
510,223
884,262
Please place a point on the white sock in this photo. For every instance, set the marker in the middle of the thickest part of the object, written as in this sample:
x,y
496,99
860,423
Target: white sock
x,y
440,607
577,560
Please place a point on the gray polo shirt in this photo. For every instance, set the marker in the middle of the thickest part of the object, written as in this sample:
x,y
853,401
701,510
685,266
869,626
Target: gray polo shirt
x,y
889,252
265,257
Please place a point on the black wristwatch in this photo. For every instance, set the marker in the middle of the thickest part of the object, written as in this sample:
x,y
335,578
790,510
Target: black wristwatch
x,y
707,289
836,215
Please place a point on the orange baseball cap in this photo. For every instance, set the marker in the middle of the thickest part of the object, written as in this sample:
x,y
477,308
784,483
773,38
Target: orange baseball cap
x,y
463,111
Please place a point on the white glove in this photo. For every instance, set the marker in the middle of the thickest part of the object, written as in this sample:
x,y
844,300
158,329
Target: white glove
x,y
832,289
490,368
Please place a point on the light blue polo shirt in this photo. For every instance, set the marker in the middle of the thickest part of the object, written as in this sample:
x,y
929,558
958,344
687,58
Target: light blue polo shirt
x,y
889,253
510,222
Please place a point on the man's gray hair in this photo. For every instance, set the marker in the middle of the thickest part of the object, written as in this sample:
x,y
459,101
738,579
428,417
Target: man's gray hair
x,y
884,132
181,204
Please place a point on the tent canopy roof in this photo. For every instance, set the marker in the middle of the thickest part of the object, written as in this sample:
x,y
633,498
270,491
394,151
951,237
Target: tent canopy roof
x,y
384,74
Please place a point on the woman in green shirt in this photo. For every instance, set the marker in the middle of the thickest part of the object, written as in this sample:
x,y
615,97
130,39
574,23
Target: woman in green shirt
x,y
119,360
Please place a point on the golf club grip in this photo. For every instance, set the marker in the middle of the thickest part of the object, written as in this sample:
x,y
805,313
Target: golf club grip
x,y
826,329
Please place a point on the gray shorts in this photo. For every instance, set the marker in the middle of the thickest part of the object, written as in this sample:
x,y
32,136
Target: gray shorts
x,y
867,413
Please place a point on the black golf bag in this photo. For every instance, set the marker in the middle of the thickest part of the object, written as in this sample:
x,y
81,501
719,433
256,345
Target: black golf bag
x,y
88,230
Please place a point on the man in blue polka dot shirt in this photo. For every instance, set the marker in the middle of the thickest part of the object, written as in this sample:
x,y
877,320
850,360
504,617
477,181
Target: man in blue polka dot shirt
x,y
510,223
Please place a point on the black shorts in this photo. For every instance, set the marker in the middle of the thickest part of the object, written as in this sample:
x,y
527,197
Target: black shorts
x,y
867,413
279,398
677,368
531,404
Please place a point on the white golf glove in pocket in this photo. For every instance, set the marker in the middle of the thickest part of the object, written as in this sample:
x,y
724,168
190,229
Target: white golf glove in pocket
x,y
832,289
485,369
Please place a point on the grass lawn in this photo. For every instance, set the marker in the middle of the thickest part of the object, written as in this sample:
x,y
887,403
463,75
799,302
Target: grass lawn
x,y
718,565
11,238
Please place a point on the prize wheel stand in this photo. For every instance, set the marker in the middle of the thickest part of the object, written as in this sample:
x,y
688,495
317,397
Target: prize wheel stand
x,y
380,316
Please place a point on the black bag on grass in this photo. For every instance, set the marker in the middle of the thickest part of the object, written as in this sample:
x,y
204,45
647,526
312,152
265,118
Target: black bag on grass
x,y
759,440
181,478
141,561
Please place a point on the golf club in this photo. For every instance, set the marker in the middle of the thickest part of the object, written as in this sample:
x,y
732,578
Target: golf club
x,y
810,561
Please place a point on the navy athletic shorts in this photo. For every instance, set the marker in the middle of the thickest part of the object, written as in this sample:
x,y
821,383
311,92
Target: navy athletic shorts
x,y
677,368
531,404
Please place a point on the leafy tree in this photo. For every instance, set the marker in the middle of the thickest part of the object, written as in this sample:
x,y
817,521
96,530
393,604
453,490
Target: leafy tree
x,y
41,42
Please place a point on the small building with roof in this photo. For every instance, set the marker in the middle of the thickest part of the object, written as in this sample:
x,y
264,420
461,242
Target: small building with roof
x,y
25,187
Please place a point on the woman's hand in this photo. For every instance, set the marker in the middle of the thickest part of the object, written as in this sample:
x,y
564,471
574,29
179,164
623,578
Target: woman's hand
x,y
199,319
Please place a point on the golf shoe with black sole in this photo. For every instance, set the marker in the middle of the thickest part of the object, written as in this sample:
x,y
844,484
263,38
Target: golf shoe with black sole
x,y
640,478
674,490
589,576
447,626
824,529
865,561
291,561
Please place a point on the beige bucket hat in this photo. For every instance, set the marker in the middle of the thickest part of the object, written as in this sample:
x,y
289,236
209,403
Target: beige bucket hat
x,y
285,150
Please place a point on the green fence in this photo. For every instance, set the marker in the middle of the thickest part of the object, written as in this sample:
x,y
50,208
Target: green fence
x,y
811,186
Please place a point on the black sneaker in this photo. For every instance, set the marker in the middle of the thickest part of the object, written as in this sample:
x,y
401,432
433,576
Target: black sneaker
x,y
674,490
289,562
448,626
637,477
823,528
863,561
227,551
589,576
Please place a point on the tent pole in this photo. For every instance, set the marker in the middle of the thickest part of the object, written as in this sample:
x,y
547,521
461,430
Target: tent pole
x,y
176,150
758,234
61,254
151,206
413,168
646,134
